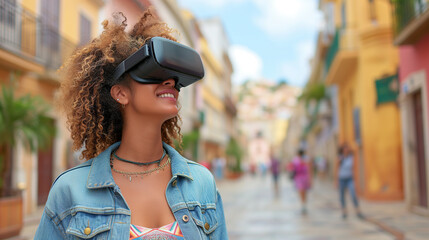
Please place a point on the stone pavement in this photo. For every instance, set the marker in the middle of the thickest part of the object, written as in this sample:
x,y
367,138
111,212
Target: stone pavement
x,y
253,212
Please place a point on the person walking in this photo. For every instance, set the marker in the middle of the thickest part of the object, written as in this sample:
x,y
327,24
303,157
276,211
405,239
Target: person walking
x,y
121,105
275,171
301,169
346,180
219,164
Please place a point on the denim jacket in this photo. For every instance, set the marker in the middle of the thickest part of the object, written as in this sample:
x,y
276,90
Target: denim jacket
x,y
85,202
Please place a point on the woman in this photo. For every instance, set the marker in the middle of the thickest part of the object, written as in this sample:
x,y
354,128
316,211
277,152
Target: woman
x,y
346,180
301,178
135,185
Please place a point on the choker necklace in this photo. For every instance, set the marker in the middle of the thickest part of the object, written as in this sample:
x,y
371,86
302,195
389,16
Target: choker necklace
x,y
140,163
129,175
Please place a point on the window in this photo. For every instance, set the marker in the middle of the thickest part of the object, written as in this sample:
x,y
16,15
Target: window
x,y
7,12
372,12
50,24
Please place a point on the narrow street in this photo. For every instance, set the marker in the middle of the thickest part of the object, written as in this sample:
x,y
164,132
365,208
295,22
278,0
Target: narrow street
x,y
253,212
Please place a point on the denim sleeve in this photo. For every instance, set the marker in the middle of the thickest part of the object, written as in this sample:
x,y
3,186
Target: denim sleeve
x,y
222,233
48,229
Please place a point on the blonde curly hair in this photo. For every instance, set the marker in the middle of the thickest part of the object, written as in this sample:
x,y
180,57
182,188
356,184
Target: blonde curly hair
x,y
93,116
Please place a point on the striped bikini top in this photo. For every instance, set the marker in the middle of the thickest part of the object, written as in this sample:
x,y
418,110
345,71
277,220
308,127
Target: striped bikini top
x,y
169,231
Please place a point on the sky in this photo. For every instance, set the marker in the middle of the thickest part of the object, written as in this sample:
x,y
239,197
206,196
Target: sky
x,y
271,39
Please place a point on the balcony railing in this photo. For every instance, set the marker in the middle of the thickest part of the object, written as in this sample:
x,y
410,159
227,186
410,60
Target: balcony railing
x,y
27,36
406,11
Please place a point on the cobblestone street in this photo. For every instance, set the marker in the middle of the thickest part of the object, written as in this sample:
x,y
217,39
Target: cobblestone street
x,y
253,212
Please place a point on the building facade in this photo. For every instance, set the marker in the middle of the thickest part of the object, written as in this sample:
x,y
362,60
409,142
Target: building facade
x,y
362,62
36,37
412,37
220,111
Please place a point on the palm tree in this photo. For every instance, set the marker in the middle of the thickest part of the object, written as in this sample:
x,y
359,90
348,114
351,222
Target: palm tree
x,y
22,119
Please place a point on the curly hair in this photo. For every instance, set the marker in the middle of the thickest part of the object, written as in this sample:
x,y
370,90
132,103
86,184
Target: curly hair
x,y
94,118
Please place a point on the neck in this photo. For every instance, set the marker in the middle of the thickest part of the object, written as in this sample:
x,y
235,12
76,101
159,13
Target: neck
x,y
141,142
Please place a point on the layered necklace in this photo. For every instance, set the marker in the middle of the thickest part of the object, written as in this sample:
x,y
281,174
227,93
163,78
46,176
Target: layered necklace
x,y
140,174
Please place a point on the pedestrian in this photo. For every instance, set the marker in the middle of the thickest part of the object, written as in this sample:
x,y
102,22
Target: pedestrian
x,y
275,171
252,168
301,169
219,164
134,184
346,180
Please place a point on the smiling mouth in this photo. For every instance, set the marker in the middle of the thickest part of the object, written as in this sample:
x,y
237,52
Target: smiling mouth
x,y
166,95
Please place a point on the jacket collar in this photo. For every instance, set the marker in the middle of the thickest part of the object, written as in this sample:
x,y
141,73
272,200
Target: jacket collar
x,y
100,174
179,164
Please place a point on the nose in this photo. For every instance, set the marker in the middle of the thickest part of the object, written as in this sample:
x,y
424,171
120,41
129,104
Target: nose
x,y
169,82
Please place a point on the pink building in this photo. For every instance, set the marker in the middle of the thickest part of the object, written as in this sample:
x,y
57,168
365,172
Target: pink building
x,y
412,37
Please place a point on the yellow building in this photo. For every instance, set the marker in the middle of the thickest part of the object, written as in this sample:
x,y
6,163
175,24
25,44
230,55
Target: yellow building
x,y
214,91
35,39
361,55
213,132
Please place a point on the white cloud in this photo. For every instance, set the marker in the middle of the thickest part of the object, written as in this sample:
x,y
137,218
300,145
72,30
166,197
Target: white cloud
x,y
297,72
246,63
280,18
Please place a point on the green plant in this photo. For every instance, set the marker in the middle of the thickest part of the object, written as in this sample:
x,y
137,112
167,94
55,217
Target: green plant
x,y
234,150
316,91
22,119
190,142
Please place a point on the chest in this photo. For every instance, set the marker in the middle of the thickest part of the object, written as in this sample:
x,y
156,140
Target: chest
x,y
146,199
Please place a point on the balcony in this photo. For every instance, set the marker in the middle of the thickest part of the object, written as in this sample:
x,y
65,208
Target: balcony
x,y
411,20
27,42
341,58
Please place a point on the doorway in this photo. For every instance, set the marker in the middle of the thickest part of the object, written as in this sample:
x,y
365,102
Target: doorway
x,y
45,171
420,164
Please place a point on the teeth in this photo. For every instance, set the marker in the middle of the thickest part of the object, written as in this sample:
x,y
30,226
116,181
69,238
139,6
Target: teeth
x,y
166,95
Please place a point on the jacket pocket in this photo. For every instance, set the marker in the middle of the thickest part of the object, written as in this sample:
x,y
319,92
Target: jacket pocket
x,y
84,225
205,218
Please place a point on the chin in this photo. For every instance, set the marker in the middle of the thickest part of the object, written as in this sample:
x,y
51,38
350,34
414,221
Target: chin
x,y
166,119
171,115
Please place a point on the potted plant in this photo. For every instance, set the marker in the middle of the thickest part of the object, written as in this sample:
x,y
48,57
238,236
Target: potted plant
x,y
22,119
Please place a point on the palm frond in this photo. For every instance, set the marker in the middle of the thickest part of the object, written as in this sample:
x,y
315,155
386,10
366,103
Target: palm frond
x,y
24,119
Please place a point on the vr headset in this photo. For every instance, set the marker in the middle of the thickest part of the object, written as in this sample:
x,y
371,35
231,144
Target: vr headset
x,y
160,59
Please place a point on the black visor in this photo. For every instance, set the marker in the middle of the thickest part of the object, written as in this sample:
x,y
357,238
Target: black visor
x,y
161,59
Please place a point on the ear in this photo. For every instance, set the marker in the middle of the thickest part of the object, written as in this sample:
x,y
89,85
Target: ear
x,y
120,94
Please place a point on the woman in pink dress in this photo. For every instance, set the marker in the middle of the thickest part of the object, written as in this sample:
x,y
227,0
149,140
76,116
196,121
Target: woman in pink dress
x,y
302,178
